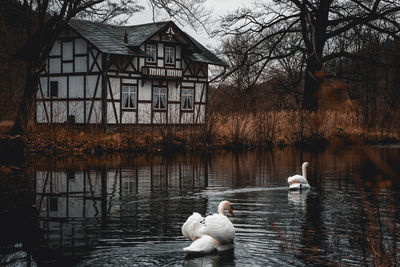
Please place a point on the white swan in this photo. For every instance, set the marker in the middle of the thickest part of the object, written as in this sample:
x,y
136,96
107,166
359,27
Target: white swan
x,y
299,182
213,232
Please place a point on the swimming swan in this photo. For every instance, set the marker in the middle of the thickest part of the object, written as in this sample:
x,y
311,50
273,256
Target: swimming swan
x,y
213,232
299,182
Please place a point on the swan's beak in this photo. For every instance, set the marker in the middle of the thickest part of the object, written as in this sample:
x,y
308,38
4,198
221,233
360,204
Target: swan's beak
x,y
231,212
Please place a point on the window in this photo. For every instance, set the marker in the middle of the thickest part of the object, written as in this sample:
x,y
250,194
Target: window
x,y
129,96
151,50
169,55
159,98
53,204
187,99
54,88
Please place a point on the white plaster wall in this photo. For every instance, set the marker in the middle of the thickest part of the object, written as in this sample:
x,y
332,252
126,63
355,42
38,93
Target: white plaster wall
x,y
76,84
159,117
115,88
133,62
43,85
144,91
91,86
128,117
199,117
113,67
91,59
144,113
160,63
160,48
59,111
67,67
173,113
80,64
198,91
54,65
40,112
173,91
76,108
95,117
80,46
187,118
178,52
141,63
56,50
110,112
67,50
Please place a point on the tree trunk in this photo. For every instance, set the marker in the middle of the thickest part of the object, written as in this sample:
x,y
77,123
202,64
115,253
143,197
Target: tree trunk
x,y
25,105
314,66
311,84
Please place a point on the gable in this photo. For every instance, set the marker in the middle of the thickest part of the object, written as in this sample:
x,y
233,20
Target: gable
x,y
126,40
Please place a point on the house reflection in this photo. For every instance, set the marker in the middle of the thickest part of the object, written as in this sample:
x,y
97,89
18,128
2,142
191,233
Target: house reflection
x,y
74,205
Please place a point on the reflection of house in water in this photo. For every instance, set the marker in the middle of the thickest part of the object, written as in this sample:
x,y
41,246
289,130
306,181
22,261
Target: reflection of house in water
x,y
75,205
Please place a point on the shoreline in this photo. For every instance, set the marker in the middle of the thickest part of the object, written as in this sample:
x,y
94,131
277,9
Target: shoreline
x,y
81,143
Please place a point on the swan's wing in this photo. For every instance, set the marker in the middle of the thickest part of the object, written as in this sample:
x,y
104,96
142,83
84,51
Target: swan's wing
x,y
192,227
297,179
204,244
219,227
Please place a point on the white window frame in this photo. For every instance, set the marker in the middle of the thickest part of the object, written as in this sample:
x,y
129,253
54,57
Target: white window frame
x,y
127,92
187,98
151,50
158,94
169,55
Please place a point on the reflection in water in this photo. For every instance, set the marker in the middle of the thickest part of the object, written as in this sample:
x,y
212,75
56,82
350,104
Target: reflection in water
x,y
298,198
129,211
225,258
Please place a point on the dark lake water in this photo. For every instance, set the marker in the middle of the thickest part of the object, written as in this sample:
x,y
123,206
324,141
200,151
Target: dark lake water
x,y
128,211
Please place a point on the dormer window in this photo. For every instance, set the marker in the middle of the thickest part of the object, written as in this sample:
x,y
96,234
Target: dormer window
x,y
169,55
151,51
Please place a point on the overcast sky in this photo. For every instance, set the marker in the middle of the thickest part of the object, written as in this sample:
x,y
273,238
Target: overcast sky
x,y
218,8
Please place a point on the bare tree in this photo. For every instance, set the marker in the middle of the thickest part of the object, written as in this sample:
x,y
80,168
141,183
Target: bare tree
x,y
45,19
321,30
234,50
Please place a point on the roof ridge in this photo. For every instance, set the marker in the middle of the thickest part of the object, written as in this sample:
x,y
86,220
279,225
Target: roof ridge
x,y
121,26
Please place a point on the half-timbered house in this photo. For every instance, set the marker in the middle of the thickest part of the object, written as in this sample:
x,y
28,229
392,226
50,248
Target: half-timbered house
x,y
145,74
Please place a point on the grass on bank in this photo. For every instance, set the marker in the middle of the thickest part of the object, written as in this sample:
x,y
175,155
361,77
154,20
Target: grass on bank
x,y
241,130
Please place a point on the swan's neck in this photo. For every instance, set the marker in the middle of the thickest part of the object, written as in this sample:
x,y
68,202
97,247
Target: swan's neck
x,y
304,170
221,210
222,207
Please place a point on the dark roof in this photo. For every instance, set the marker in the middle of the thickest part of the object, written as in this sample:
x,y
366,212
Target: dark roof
x,y
110,39
205,55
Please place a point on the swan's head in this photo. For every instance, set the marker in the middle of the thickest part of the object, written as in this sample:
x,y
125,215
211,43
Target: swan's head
x,y
305,164
225,206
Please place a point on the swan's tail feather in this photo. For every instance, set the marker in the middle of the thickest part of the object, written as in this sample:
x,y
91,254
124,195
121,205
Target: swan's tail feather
x,y
192,226
204,244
